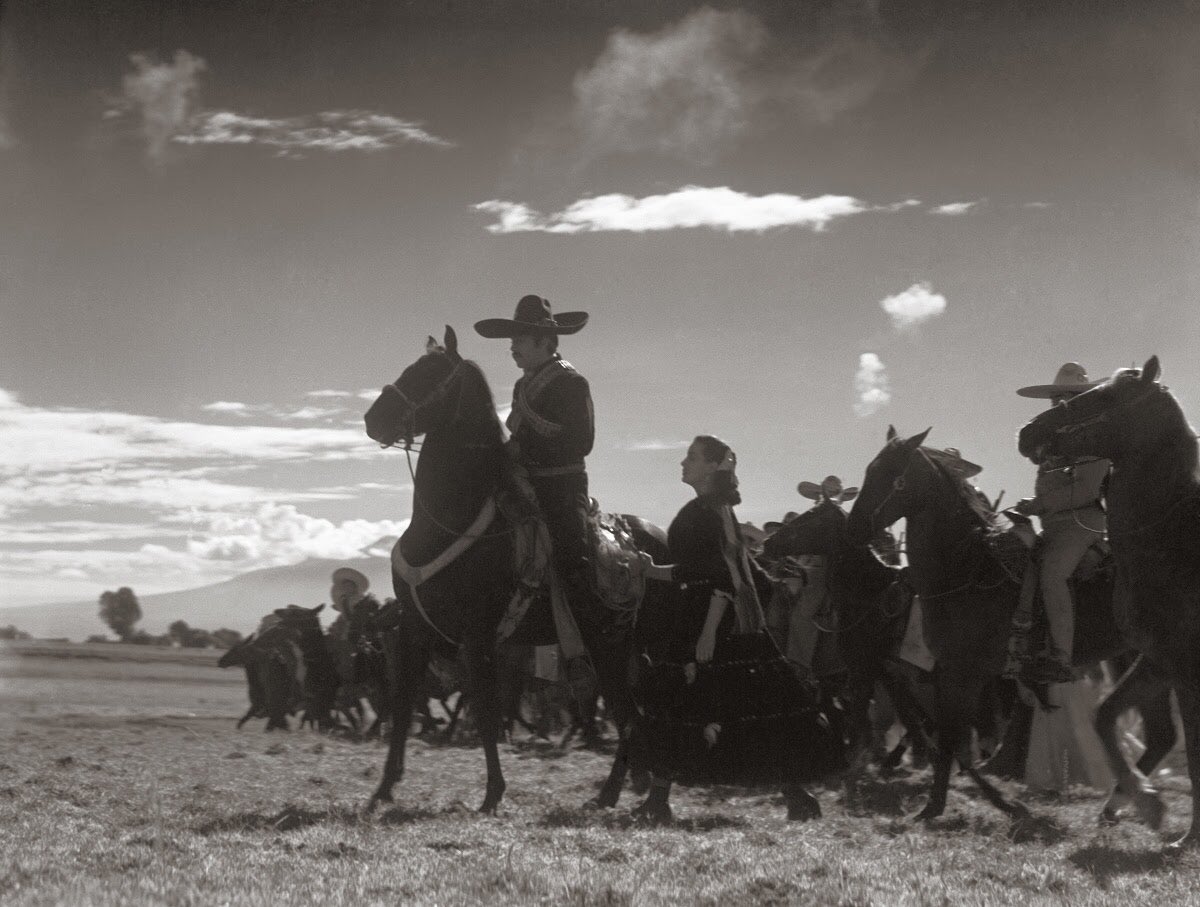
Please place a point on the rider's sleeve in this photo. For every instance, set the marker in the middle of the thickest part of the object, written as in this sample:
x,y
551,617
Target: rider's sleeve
x,y
569,406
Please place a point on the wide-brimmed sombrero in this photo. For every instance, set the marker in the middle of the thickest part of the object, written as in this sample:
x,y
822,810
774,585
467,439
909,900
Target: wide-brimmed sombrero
x,y
1072,378
952,459
343,573
830,488
533,316
771,526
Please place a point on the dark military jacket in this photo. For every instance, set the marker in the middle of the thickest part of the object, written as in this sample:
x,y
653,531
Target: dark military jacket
x,y
551,418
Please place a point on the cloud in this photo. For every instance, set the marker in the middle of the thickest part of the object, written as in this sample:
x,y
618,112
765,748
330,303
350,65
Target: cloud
x,y
718,208
329,393
871,385
281,534
225,406
332,130
655,444
163,94
954,209
694,88
684,90
916,304
164,97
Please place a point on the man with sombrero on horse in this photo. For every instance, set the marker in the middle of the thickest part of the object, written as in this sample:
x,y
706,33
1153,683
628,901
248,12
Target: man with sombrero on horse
x,y
551,432
1067,500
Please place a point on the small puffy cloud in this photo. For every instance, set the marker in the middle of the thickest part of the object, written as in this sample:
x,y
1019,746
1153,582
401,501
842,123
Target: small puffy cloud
x,y
953,209
684,90
717,208
916,304
871,385
163,94
331,130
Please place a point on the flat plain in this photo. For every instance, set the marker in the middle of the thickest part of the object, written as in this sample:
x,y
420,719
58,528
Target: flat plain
x,y
123,781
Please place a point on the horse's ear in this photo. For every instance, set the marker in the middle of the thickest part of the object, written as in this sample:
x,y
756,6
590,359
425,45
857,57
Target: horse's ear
x,y
431,345
319,608
1151,369
451,345
891,436
917,440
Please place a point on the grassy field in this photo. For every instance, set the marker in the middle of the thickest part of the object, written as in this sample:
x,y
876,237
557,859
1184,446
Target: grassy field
x,y
124,782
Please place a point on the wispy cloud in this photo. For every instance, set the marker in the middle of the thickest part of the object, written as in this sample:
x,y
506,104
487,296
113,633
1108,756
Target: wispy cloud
x,y
164,97
331,130
693,88
684,90
718,208
655,444
225,406
871,385
913,306
953,209
329,393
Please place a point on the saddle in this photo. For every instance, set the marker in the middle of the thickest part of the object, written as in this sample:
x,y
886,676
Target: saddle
x,y
616,574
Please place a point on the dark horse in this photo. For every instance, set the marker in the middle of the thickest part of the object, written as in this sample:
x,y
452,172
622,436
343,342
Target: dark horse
x,y
1153,501
967,594
871,602
462,599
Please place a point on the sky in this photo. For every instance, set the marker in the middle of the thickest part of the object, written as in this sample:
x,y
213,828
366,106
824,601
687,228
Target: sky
x,y
224,226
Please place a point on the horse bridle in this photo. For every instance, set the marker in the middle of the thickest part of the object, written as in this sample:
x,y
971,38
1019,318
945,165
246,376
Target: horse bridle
x,y
413,407
1105,415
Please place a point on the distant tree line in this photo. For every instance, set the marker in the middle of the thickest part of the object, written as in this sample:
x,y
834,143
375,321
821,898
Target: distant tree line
x,y
121,611
11,632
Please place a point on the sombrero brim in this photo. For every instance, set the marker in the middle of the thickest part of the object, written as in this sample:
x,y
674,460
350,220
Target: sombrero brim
x,y
813,492
810,490
1046,391
496,328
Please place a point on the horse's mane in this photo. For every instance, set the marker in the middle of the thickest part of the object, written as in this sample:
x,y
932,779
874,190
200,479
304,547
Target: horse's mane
x,y
478,402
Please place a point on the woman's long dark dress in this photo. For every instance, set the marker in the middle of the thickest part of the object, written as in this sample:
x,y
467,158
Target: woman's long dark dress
x,y
771,730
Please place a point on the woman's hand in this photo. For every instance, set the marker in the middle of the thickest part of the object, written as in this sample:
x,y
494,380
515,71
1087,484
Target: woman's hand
x,y
705,646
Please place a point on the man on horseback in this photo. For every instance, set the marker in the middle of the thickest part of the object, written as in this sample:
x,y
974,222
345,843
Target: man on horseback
x,y
551,431
1067,500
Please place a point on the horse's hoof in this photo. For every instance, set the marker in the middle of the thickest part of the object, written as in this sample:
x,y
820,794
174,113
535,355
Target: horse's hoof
x,y
653,814
1150,808
376,799
1020,812
929,812
1180,846
804,811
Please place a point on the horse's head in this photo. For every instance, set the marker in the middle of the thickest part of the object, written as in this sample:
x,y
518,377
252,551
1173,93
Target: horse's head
x,y
1119,417
411,405
237,654
819,530
295,617
896,484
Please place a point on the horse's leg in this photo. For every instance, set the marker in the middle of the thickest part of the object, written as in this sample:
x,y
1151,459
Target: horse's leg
x,y
859,686
481,658
1158,726
249,714
656,808
953,707
912,716
613,676
1189,710
802,806
1141,683
407,664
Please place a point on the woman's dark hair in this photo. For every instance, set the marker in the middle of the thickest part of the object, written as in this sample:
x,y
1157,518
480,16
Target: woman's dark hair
x,y
724,489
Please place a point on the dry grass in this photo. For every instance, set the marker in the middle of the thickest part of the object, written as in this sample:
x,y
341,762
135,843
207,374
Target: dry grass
x,y
139,794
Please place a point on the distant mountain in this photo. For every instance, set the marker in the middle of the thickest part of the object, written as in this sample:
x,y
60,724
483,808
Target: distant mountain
x,y
236,603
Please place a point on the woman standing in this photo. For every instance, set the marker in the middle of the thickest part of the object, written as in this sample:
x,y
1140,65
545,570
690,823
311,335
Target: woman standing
x,y
718,702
